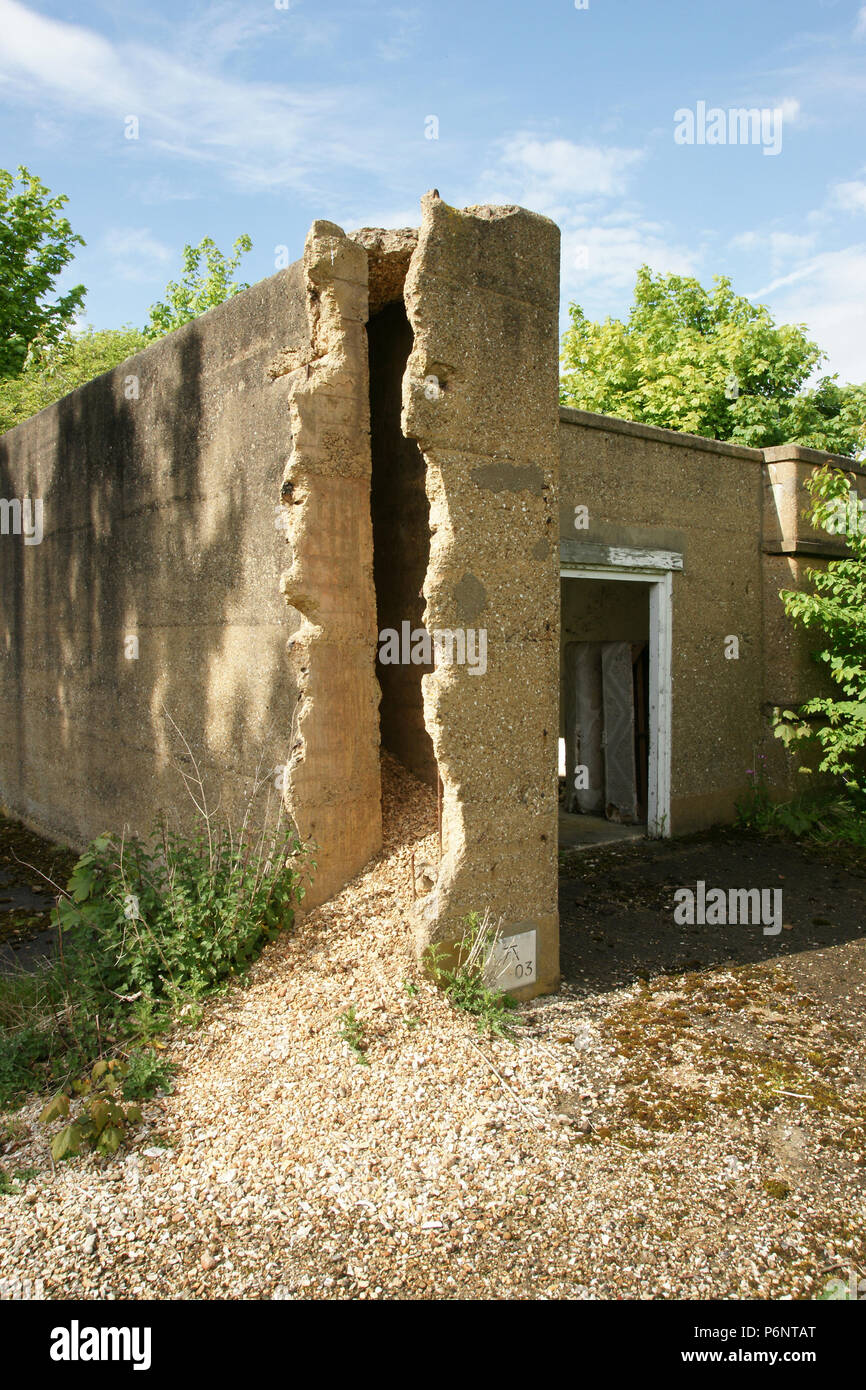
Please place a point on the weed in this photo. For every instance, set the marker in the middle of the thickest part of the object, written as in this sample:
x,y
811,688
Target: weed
x,y
147,1073
465,983
147,928
353,1033
102,1123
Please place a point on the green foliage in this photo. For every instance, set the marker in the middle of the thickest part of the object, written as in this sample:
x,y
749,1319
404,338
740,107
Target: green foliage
x,y
10,1183
836,609
175,916
36,244
54,369
835,1290
353,1033
464,982
819,818
683,352
199,289
148,928
147,1073
102,1123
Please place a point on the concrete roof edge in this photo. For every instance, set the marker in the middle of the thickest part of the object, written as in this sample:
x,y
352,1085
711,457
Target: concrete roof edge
x,y
786,453
615,425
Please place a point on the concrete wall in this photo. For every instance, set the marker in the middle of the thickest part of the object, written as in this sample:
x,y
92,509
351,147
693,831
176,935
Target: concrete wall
x,y
482,294
159,524
656,489
161,485
333,785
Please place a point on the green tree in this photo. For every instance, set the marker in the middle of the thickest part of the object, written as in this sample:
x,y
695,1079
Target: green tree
x,y
709,362
53,370
36,244
836,609
199,289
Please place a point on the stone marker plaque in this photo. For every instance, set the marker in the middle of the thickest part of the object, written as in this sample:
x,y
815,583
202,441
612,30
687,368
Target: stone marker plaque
x,y
511,962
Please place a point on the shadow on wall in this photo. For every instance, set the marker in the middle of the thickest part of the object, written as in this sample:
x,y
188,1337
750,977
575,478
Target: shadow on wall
x,y
147,593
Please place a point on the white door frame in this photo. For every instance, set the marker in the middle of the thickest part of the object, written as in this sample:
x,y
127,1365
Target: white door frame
x,y
632,567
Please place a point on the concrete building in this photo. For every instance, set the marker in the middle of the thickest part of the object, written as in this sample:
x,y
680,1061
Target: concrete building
x,y
600,597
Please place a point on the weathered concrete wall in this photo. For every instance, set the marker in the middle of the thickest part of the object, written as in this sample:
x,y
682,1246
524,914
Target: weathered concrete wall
x,y
738,523
160,484
333,783
481,294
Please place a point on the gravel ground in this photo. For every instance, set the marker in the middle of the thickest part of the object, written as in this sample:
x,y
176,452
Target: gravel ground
x,y
697,1133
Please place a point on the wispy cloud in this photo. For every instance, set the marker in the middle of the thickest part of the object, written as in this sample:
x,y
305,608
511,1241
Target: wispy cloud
x,y
548,174
827,295
258,135
133,253
851,196
405,30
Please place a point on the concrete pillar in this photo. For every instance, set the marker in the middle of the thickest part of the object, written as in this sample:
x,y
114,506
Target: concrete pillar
x,y
480,396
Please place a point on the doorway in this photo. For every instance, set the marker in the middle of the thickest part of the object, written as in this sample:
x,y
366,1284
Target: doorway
x,y
615,714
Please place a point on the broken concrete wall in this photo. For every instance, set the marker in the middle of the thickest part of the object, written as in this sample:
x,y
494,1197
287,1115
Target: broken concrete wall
x,y
156,588
479,396
333,784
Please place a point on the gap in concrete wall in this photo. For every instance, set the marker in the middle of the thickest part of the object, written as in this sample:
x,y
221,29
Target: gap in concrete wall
x,y
604,710
401,540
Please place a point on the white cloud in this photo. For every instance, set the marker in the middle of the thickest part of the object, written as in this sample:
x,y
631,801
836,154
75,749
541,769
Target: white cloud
x,y
134,254
547,174
600,258
850,196
260,135
860,26
827,294
406,26
781,247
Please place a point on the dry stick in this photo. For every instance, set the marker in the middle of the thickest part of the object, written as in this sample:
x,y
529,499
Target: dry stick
x,y
414,894
439,809
536,1119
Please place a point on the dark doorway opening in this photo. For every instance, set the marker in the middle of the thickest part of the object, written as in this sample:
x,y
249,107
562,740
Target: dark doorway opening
x,y
401,542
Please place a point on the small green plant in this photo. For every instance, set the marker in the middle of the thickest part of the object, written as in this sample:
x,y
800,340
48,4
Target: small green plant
x,y
102,1123
148,929
821,818
353,1033
465,982
147,1073
11,1183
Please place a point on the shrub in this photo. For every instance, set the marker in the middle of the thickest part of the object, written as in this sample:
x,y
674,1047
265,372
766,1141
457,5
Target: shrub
x,y
836,610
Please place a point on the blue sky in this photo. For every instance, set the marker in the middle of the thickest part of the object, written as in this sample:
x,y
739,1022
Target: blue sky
x,y
254,118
